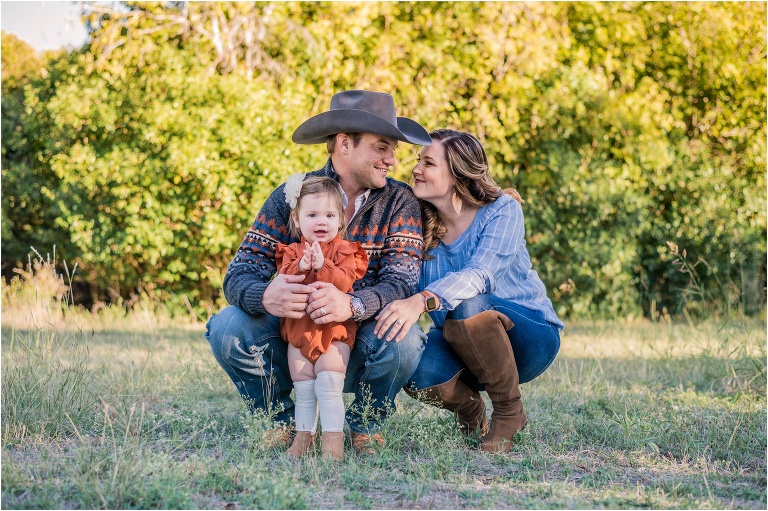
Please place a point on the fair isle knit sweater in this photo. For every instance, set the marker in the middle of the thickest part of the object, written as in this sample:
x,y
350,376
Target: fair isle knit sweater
x,y
388,226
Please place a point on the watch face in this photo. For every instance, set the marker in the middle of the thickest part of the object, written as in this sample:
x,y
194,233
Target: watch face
x,y
431,303
357,305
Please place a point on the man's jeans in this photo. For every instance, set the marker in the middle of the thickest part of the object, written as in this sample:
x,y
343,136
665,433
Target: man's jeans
x,y
252,353
535,343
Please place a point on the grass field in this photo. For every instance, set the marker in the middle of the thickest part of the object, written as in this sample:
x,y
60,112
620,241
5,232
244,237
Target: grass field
x,y
132,413
111,410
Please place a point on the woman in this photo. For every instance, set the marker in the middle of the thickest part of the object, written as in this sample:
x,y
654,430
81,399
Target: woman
x,y
477,285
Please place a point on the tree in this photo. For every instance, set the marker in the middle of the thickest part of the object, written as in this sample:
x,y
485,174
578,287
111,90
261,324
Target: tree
x,y
625,126
28,215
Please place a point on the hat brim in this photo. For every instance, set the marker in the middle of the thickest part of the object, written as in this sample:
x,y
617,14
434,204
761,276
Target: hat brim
x,y
316,129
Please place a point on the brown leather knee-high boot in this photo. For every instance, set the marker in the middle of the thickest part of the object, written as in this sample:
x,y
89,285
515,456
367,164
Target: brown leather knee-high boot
x,y
456,396
482,343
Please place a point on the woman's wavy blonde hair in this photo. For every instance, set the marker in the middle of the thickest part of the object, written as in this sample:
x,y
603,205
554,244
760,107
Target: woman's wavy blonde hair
x,y
474,185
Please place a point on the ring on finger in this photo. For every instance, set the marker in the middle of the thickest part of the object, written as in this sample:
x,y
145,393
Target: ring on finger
x,y
399,322
322,311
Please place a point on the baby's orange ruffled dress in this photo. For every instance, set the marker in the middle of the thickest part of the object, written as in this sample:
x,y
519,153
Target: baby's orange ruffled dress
x,y
345,262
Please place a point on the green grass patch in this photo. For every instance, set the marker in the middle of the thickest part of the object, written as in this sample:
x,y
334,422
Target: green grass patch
x,y
637,415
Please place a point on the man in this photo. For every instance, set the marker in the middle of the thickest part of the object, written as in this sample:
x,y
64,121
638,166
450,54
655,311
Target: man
x,y
361,131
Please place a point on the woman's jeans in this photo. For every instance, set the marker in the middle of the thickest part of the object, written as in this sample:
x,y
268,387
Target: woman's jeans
x,y
253,354
534,340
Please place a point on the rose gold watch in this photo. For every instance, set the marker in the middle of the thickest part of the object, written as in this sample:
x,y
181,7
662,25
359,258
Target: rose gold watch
x,y
431,301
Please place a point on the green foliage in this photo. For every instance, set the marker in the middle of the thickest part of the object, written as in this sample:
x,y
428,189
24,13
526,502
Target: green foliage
x,y
625,126
20,62
27,214
158,183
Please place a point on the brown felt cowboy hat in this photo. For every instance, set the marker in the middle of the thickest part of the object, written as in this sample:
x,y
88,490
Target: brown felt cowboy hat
x,y
361,111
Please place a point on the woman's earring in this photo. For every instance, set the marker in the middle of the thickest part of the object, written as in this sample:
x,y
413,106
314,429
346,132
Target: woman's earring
x,y
456,202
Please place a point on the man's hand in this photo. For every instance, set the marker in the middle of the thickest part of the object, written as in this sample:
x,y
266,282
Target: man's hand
x,y
286,297
327,304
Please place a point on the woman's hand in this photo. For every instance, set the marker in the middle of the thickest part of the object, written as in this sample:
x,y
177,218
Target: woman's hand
x,y
398,317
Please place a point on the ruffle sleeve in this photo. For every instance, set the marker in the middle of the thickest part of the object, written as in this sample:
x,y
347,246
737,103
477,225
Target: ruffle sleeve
x,y
348,264
287,258
355,249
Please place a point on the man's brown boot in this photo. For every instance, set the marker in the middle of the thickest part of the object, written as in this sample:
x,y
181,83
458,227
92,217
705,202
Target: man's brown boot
x,y
302,443
333,445
456,396
363,443
278,437
482,343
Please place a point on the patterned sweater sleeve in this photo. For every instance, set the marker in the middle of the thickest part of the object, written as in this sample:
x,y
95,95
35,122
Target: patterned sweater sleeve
x,y
397,220
253,266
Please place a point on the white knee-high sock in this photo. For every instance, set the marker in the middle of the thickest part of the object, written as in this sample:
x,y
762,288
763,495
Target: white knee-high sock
x,y
306,406
328,387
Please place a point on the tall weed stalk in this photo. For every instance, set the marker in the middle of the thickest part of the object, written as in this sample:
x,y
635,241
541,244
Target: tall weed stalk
x,y
37,296
721,300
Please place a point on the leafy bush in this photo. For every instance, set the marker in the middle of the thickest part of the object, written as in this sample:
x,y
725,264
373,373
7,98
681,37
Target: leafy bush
x,y
146,154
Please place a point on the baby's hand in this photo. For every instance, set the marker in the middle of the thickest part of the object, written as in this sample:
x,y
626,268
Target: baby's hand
x,y
318,259
306,262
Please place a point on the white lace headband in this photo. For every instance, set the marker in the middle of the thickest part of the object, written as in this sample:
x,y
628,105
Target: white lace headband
x,y
293,190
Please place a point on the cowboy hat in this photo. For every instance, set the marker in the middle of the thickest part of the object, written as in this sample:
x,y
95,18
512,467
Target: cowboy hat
x,y
360,111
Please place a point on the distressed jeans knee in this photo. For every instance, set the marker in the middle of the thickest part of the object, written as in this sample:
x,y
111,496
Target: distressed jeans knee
x,y
254,356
